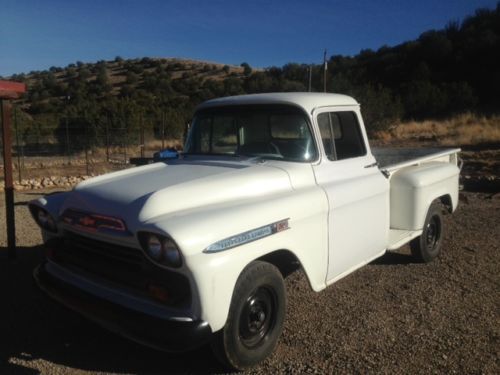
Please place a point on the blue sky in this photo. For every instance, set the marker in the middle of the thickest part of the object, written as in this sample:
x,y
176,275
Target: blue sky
x,y
35,35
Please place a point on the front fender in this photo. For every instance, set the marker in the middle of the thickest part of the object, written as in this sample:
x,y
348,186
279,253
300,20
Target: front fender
x,y
52,203
215,274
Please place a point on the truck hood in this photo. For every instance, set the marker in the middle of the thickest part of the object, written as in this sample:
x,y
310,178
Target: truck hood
x,y
140,194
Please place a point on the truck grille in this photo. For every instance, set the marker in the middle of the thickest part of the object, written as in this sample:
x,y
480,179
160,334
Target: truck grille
x,y
98,254
119,264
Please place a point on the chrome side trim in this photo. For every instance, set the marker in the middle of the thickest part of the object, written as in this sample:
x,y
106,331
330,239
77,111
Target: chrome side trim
x,y
248,236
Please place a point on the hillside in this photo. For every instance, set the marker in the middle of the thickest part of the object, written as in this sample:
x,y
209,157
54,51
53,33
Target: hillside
x,y
120,77
440,74
90,93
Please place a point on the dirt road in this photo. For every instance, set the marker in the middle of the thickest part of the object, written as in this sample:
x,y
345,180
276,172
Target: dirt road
x,y
392,316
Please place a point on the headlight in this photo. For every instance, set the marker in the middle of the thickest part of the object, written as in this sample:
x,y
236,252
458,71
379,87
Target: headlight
x,y
43,218
171,253
160,249
154,248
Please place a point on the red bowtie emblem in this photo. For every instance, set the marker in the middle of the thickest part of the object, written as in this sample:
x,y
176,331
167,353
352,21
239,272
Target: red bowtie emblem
x,y
87,221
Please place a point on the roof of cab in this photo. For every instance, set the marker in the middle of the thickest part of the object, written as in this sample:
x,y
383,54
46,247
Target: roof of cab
x,y
306,100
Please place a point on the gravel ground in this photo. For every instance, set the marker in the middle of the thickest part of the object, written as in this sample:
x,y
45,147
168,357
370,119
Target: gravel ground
x,y
392,316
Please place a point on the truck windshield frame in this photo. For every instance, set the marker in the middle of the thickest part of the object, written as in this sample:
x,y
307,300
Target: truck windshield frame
x,y
277,132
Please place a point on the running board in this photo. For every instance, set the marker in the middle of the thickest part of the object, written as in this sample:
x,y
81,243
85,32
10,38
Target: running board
x,y
398,237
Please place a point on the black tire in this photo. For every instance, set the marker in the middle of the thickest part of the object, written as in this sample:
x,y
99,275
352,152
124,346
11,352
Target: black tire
x,y
427,246
255,318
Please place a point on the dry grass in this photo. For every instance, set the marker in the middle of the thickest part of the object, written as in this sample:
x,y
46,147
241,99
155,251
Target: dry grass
x,y
150,147
464,129
156,144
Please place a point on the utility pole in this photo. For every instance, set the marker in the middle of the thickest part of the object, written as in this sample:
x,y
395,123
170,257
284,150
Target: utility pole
x,y
324,71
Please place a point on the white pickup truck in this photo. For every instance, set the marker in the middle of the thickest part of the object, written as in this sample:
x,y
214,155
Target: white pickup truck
x,y
190,251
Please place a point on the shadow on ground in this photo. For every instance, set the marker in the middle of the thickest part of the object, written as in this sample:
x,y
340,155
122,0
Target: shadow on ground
x,y
392,258
34,328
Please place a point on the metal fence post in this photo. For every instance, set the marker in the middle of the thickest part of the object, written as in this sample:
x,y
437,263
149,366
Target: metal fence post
x,y
67,141
106,130
87,150
163,130
126,143
142,135
38,138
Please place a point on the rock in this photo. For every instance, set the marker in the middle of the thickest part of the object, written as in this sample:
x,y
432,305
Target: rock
x,y
463,198
495,196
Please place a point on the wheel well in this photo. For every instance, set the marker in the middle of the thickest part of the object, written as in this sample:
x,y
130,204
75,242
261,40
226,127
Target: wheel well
x,y
284,260
446,201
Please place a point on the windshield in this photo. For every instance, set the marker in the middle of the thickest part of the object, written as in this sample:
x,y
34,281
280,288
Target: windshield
x,y
273,132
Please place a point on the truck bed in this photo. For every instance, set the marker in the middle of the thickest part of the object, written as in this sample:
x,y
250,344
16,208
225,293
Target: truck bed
x,y
392,159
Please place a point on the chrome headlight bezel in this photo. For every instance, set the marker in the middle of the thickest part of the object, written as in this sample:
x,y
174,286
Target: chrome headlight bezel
x,y
160,249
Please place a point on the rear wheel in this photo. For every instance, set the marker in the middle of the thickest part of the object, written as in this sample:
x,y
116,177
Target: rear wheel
x,y
255,317
428,246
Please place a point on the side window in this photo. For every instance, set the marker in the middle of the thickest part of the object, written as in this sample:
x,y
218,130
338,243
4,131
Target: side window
x,y
326,134
341,135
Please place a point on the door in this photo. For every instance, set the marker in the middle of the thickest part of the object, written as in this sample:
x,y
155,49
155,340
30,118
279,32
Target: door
x,y
358,193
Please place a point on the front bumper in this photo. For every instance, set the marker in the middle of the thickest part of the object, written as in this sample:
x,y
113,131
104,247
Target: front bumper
x,y
163,333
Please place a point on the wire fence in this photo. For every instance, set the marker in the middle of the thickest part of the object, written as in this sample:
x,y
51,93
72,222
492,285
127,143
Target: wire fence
x,y
78,148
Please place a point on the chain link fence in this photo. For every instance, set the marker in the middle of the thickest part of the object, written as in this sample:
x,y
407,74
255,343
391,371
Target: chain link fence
x,y
76,147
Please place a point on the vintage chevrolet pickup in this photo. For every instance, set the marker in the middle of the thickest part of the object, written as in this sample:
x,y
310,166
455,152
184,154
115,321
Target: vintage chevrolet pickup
x,y
193,251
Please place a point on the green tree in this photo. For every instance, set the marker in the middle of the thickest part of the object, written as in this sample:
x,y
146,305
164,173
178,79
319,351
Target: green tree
x,y
247,70
132,78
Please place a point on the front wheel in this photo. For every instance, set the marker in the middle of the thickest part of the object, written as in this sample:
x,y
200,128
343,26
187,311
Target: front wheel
x,y
428,246
255,317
